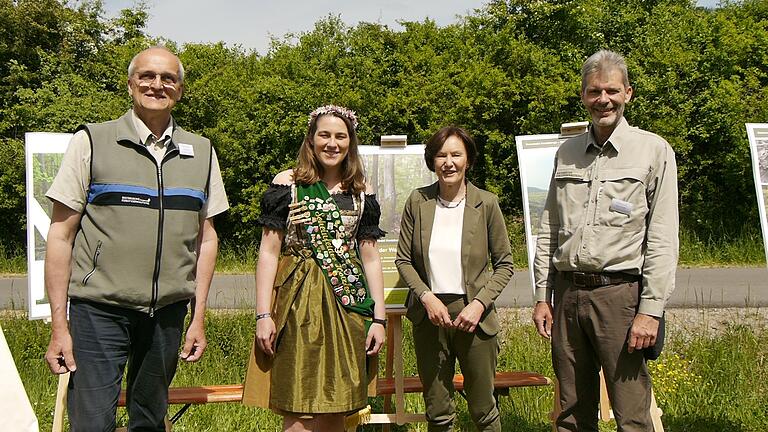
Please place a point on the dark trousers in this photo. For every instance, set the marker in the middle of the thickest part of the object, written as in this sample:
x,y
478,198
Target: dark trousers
x,y
437,350
590,330
105,338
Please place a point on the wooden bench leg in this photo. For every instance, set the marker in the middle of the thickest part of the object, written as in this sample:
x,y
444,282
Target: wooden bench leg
x,y
556,407
656,414
61,403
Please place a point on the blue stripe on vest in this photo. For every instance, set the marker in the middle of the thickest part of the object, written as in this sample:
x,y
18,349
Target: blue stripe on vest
x,y
138,196
97,189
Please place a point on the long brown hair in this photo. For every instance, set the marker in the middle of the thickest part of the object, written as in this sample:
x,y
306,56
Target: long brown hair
x,y
309,170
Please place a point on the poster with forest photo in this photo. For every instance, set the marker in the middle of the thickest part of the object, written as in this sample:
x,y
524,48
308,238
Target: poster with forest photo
x,y
393,173
43,154
536,156
758,146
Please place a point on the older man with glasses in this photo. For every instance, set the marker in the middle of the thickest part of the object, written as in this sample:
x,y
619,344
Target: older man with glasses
x,y
131,242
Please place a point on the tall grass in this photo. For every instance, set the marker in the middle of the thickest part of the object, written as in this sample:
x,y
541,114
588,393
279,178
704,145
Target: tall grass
x,y
236,259
12,262
705,381
744,248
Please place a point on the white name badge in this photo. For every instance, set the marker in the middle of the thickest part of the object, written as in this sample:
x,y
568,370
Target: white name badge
x,y
186,149
620,206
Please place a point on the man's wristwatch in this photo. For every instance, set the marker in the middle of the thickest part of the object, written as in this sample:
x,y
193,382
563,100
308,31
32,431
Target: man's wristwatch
x,y
383,322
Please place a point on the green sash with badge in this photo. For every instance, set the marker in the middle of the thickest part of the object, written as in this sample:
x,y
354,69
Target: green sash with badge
x,y
338,260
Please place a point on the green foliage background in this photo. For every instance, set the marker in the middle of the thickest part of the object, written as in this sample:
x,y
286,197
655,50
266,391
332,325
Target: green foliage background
x,y
510,67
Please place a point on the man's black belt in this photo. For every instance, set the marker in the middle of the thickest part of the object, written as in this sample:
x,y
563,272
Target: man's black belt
x,y
584,279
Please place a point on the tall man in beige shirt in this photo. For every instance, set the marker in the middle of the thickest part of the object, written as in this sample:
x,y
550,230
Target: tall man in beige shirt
x,y
606,254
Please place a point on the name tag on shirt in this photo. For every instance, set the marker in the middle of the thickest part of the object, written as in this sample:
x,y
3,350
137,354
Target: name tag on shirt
x,y
186,149
620,206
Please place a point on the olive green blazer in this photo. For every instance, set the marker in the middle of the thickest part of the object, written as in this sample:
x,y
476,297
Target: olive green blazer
x,y
483,238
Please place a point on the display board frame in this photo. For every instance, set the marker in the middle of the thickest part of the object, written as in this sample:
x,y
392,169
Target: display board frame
x,y
43,152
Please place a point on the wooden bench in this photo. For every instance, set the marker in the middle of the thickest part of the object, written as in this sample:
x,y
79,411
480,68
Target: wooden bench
x,y
188,396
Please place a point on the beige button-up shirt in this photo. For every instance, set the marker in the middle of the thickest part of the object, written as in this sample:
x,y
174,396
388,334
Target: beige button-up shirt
x,y
612,209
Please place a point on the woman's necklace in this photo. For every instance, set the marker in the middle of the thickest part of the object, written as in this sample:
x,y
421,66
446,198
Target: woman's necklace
x,y
451,204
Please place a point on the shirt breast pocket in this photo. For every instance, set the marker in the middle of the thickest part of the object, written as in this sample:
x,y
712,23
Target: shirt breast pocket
x,y
622,201
572,195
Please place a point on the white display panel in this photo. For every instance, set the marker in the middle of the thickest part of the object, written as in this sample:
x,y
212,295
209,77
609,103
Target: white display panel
x,y
393,173
536,157
758,147
43,154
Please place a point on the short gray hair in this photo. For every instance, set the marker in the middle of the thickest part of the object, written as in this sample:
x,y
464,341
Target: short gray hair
x,y
604,60
132,64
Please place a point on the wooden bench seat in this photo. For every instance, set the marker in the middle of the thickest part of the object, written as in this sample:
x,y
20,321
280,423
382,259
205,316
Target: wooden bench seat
x,y
384,386
503,380
200,395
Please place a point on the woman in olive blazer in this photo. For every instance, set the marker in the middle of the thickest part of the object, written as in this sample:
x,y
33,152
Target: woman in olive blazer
x,y
456,321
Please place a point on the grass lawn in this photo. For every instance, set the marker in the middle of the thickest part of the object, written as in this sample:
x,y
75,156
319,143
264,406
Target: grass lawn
x,y
713,375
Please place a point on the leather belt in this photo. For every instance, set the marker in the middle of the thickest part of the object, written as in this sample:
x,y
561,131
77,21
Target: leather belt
x,y
585,279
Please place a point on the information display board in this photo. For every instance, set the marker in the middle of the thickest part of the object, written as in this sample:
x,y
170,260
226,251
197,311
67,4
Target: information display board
x,y
43,154
758,146
536,156
393,173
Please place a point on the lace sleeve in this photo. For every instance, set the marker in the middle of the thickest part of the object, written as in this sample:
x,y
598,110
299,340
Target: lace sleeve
x,y
274,206
369,221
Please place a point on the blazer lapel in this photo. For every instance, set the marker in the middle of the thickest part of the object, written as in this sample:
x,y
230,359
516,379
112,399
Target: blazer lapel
x,y
471,221
427,218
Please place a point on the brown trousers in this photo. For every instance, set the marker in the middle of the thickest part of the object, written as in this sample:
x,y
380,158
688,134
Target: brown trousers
x,y
590,330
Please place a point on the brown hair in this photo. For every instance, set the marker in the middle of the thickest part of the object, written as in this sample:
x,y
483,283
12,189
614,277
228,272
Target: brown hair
x,y
436,141
309,170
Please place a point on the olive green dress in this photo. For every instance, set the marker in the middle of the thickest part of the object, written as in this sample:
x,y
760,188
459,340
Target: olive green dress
x,y
320,362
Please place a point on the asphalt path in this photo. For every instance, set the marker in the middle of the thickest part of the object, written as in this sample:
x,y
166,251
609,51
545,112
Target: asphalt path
x,y
698,287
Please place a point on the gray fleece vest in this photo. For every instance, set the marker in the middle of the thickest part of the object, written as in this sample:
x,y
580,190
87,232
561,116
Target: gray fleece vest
x,y
136,247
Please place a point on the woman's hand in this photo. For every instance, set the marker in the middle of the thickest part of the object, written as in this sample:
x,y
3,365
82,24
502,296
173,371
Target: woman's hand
x,y
436,310
265,335
469,316
375,340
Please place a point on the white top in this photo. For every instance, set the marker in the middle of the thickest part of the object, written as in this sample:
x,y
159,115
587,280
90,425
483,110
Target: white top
x,y
445,272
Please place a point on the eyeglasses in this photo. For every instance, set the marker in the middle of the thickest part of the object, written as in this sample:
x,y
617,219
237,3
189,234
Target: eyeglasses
x,y
168,80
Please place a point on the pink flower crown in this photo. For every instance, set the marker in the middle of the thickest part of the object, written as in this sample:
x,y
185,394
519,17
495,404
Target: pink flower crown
x,y
333,109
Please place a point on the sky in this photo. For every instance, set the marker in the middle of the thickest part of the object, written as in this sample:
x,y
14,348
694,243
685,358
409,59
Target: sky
x,y
252,23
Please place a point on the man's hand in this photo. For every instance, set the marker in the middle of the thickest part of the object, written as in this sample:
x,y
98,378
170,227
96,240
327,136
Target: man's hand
x,y
436,310
194,342
542,317
643,332
59,354
469,316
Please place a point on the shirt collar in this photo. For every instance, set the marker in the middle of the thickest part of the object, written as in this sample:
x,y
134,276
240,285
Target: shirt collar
x,y
145,133
615,140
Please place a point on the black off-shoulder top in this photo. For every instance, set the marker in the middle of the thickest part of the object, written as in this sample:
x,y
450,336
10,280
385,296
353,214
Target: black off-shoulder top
x,y
274,211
